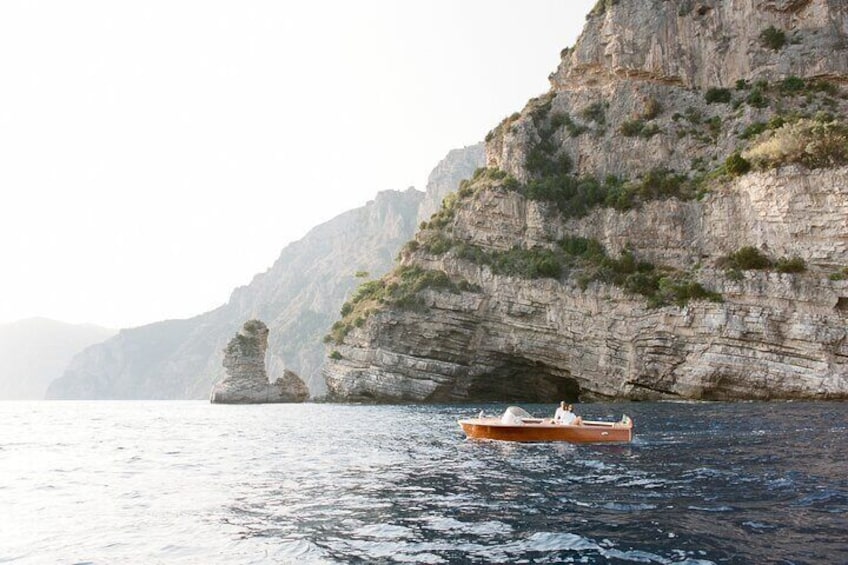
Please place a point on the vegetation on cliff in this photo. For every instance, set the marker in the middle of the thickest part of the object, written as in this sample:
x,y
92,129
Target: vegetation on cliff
x,y
813,143
250,340
667,136
797,130
400,289
588,261
750,258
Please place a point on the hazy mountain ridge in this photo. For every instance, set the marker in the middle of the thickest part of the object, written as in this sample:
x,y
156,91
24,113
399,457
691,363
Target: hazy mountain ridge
x,y
298,297
35,351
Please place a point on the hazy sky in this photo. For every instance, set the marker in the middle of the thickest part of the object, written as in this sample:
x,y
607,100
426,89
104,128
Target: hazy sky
x,y
156,154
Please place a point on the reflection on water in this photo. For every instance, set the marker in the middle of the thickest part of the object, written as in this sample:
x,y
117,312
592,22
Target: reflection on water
x,y
189,482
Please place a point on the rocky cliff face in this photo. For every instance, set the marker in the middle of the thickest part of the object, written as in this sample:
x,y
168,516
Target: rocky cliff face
x,y
299,297
706,43
650,228
457,165
246,381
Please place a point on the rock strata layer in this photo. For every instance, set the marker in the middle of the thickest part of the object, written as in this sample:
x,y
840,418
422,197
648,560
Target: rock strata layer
x,y
246,381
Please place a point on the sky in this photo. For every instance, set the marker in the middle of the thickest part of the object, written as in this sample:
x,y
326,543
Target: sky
x,y
155,155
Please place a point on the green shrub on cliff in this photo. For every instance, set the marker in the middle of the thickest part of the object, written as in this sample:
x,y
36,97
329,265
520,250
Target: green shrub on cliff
x,y
574,129
471,253
534,263
736,165
756,98
436,243
541,162
601,6
792,85
446,213
745,259
773,38
840,275
681,291
639,128
574,197
750,258
813,143
595,112
410,246
347,308
652,109
659,184
718,96
632,128
516,262
753,130
659,286
582,248
790,265
400,288
588,261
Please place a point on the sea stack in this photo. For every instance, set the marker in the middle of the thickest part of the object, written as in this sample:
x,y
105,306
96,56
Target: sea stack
x,y
246,381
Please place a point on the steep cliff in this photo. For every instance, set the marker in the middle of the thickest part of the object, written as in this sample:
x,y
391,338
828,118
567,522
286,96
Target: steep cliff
x,y
667,222
298,297
457,165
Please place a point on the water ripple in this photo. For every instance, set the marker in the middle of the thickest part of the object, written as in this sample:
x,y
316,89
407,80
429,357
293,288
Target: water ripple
x,y
184,482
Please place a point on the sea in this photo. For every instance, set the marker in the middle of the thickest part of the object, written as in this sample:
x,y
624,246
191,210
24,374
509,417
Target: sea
x,y
189,482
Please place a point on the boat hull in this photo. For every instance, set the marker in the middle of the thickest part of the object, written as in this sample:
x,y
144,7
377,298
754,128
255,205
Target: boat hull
x,y
545,431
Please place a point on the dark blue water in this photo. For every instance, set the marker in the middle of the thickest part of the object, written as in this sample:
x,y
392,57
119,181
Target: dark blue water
x,y
187,482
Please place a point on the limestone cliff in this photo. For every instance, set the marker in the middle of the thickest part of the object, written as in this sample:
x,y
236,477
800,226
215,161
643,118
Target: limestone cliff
x,y
707,43
299,297
246,381
669,221
457,165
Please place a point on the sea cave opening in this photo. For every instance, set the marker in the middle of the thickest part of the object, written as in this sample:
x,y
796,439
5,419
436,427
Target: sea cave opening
x,y
522,380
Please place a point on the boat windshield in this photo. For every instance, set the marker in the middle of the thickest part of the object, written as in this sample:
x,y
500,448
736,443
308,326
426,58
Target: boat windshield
x,y
514,415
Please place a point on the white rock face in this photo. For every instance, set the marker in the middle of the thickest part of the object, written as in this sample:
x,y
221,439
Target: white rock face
x,y
774,336
707,43
246,381
654,60
458,164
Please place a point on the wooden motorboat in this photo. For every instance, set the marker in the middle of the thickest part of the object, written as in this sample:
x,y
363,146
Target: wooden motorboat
x,y
529,429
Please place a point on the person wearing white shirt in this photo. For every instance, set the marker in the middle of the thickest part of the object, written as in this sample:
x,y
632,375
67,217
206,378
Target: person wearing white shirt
x,y
564,415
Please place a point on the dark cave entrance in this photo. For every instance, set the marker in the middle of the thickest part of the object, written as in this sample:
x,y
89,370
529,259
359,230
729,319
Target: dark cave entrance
x,y
521,380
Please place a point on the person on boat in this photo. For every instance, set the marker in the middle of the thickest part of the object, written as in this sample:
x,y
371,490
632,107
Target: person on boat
x,y
577,419
565,416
